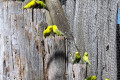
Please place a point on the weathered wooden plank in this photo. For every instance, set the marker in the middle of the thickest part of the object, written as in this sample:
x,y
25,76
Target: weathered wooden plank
x,y
7,38
94,18
1,40
79,71
34,28
58,17
93,25
70,12
18,47
21,42
55,58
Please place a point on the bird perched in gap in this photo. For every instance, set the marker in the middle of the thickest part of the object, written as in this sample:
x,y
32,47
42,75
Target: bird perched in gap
x,y
57,31
91,78
47,31
107,79
77,58
86,58
34,4
31,4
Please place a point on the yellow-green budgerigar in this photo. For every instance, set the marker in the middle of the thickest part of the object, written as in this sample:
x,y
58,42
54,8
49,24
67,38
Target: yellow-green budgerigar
x,y
35,3
107,79
91,78
77,57
57,31
41,4
86,58
47,31
31,4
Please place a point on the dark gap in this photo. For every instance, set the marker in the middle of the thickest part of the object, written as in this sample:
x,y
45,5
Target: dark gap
x,y
118,50
44,73
86,72
97,58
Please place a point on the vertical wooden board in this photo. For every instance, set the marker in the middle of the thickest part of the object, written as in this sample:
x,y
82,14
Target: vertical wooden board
x,y
41,24
79,71
35,54
18,48
7,42
104,40
1,40
7,37
70,11
55,58
78,32
58,17
90,35
70,72
95,22
78,28
112,29
28,17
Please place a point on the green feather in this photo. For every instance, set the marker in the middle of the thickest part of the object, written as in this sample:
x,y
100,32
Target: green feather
x,y
77,58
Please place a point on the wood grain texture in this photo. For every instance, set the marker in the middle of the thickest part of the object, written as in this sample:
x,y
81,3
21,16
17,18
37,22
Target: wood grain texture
x,y
55,58
58,17
21,47
97,19
92,23
1,40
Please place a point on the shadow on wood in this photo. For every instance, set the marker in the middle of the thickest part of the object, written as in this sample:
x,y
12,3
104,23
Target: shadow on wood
x,y
57,55
55,58
58,59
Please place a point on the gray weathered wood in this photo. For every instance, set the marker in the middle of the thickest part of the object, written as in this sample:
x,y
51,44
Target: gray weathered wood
x,y
92,23
58,17
1,40
21,47
55,58
98,22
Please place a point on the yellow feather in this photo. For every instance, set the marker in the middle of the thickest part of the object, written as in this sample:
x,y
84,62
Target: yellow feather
x,y
30,4
41,3
57,31
86,58
47,31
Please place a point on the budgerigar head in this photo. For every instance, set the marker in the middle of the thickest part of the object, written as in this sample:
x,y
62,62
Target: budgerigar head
x,y
107,79
55,27
86,54
50,27
93,77
77,53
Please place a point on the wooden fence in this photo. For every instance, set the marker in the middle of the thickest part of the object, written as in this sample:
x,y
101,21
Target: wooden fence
x,y
90,25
